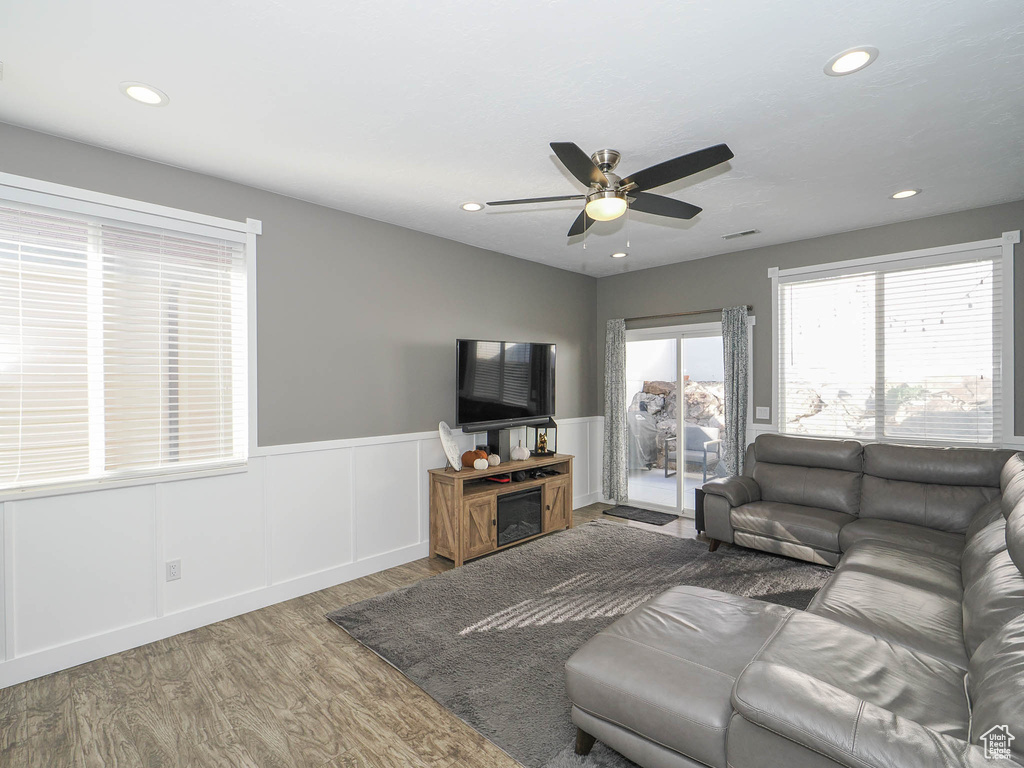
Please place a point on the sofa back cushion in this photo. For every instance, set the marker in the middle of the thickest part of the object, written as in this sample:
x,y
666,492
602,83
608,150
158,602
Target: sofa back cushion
x,y
992,599
980,549
989,513
1011,483
940,488
995,685
809,472
810,452
809,486
994,590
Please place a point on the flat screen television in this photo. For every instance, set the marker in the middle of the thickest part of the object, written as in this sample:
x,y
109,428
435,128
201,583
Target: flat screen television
x,y
503,383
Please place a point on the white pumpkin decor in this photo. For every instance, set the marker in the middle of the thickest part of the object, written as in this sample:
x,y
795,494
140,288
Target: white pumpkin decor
x,y
519,453
480,464
494,460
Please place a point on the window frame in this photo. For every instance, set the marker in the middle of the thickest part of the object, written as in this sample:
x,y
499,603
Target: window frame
x,y
942,254
75,201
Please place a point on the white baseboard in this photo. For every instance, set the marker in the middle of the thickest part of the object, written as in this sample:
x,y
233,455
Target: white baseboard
x,y
582,501
43,662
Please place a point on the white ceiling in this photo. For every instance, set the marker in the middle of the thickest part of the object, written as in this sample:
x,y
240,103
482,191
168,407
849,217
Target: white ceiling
x,y
403,111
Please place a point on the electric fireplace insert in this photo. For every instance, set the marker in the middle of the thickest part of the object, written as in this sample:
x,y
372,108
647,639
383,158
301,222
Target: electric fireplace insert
x,y
518,515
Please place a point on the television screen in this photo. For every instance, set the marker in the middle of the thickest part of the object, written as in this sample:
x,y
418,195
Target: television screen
x,y
504,381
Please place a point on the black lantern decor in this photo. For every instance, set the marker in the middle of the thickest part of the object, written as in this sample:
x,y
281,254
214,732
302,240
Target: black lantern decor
x,y
542,439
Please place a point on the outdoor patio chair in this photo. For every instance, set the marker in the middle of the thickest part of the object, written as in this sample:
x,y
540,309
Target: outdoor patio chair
x,y
701,445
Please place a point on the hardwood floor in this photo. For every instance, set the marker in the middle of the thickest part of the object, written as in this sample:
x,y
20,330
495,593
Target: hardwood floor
x,y
281,687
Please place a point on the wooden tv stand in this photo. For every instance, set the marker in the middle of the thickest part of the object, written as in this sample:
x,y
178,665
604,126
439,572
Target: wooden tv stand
x,y
464,506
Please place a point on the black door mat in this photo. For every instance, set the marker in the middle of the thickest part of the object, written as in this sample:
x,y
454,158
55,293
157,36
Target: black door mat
x,y
642,515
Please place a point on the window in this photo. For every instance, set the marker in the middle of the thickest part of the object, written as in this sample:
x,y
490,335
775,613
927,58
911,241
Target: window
x,y
901,349
122,344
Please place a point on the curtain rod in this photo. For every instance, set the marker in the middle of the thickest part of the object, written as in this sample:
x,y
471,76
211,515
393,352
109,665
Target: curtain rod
x,y
750,308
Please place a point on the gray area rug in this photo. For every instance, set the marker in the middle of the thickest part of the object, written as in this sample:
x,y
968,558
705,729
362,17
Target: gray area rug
x,y
648,516
489,640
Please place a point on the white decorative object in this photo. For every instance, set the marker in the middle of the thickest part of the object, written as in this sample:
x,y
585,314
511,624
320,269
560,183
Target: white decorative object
x,y
480,464
494,460
519,453
451,448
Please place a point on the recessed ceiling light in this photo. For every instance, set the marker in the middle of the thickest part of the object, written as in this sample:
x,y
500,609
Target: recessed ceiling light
x,y
905,193
144,94
472,207
620,255
851,60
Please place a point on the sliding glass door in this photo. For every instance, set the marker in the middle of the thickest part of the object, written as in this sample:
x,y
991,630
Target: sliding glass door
x,y
703,416
675,412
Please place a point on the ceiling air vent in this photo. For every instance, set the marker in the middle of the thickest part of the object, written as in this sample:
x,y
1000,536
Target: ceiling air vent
x,y
744,233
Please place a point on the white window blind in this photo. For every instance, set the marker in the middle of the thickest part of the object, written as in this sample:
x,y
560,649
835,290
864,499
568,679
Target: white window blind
x,y
122,349
904,351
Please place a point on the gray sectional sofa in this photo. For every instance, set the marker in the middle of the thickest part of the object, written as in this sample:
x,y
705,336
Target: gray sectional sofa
x,y
813,499
910,656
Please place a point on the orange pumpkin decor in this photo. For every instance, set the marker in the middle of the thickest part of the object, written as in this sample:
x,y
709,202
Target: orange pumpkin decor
x,y
480,453
468,458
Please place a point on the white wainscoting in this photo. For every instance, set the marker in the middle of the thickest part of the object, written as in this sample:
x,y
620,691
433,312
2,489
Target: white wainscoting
x,y
82,574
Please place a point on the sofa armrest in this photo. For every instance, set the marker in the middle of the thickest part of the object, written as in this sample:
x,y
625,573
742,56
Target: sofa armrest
x,y
738,490
841,726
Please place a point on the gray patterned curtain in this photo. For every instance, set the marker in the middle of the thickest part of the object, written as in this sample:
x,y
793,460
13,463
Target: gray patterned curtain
x,y
734,341
614,477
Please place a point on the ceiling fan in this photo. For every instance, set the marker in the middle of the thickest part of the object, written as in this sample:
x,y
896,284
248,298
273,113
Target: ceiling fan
x,y
610,196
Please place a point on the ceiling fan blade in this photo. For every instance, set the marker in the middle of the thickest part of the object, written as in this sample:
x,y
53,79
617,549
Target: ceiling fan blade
x,y
538,200
679,167
581,225
660,205
579,163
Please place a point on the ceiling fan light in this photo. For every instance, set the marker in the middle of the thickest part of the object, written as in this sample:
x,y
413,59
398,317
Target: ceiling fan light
x,y
605,206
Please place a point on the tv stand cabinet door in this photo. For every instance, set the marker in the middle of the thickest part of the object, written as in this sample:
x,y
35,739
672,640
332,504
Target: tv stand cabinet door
x,y
556,505
481,516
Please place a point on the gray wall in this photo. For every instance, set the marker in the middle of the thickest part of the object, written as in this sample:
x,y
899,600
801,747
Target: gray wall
x,y
357,319
742,278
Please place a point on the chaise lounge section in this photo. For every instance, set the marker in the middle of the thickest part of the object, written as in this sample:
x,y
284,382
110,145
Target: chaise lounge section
x,y
908,657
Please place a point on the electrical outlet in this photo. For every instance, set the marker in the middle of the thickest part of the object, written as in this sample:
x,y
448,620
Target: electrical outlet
x,y
763,412
173,570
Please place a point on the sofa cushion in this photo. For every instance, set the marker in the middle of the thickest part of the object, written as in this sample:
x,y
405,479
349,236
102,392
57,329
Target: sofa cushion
x,y
809,452
1015,536
907,565
818,528
908,615
1011,483
666,669
903,681
994,598
938,488
938,466
831,722
787,548
942,544
809,486
943,507
982,547
995,682
989,513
